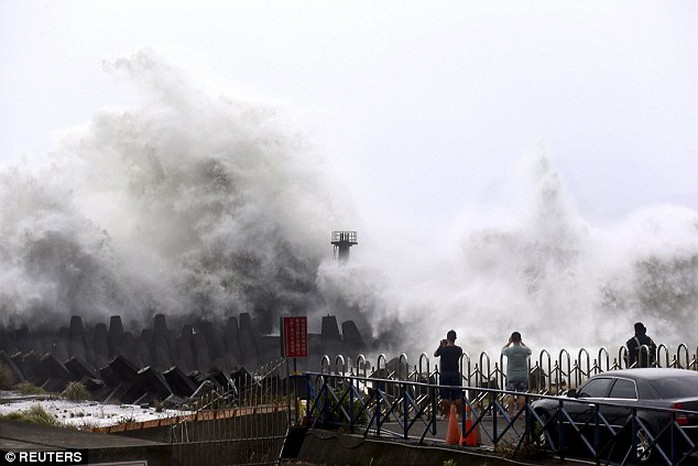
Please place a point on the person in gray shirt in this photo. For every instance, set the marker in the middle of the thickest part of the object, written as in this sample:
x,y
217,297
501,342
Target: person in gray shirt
x,y
517,367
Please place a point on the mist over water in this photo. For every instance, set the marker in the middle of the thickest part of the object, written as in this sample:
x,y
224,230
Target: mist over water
x,y
190,204
194,204
531,263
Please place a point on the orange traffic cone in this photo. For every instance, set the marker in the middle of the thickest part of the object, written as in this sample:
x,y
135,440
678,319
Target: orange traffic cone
x,y
473,437
453,434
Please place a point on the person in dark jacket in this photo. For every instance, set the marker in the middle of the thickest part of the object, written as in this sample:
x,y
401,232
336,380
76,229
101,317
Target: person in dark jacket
x,y
642,352
449,364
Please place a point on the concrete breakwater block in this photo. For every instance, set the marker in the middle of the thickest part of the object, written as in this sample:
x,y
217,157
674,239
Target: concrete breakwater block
x,y
54,385
161,355
330,330
160,327
116,334
53,368
250,341
231,338
100,345
352,336
61,345
201,353
78,345
205,388
153,381
124,369
7,361
221,379
126,392
92,385
29,363
7,341
78,369
178,381
109,376
195,345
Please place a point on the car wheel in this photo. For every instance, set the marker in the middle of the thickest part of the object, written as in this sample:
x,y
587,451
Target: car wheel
x,y
644,448
541,436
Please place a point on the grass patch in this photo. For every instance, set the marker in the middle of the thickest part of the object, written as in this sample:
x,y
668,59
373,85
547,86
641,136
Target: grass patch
x,y
25,388
35,415
75,391
126,420
7,377
526,451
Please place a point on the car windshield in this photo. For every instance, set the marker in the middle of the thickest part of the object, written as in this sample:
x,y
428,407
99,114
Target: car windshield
x,y
680,387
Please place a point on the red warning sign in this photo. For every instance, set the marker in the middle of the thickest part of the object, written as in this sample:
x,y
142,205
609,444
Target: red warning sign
x,y
294,336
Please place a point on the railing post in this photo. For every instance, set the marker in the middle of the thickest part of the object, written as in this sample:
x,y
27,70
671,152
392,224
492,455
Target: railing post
x,y
549,374
672,437
603,351
405,413
352,419
423,357
587,374
326,404
434,408
597,434
484,356
662,347
361,364
634,430
560,431
378,412
528,420
381,357
311,396
494,404
682,348
325,362
561,360
403,357
337,360
624,355
465,357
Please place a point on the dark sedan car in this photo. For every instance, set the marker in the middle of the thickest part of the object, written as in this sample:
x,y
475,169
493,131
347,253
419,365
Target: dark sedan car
x,y
649,415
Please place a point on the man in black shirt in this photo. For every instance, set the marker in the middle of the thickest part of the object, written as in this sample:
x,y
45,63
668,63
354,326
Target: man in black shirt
x,y
641,348
449,365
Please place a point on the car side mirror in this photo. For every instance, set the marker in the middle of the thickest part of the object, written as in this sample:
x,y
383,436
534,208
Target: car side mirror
x,y
572,393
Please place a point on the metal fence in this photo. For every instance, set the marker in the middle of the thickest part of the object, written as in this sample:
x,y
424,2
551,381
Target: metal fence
x,y
396,399
242,421
409,410
246,419
548,373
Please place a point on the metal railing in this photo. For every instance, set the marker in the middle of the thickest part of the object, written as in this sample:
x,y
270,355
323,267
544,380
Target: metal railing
x,y
409,410
244,421
613,432
395,399
548,374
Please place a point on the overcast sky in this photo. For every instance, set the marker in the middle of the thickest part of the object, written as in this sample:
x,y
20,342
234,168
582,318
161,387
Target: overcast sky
x,y
426,106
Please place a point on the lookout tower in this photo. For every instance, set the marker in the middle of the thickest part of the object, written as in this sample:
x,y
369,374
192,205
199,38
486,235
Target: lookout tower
x,y
342,241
